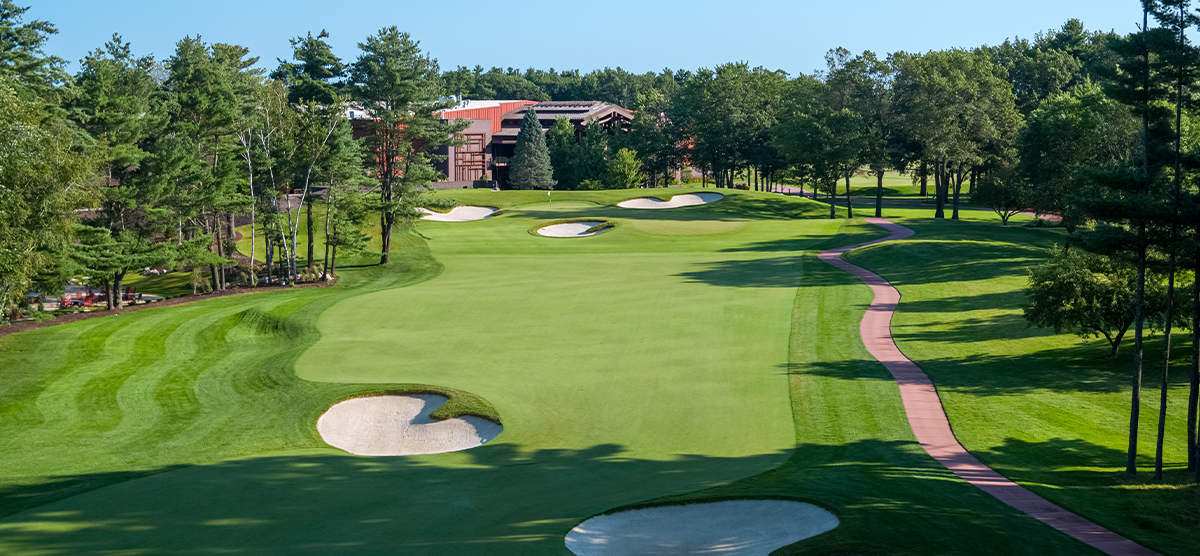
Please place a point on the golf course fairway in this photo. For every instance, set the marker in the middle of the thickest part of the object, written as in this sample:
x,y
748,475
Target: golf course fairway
x,y
695,354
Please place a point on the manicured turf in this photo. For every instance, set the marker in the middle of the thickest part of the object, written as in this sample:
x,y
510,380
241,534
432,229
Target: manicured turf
x,y
169,285
688,354
1050,411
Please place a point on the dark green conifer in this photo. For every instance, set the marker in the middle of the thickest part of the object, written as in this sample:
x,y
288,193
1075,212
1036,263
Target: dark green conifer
x,y
531,167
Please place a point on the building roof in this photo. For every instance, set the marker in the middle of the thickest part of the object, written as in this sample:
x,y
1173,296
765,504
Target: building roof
x,y
578,112
468,104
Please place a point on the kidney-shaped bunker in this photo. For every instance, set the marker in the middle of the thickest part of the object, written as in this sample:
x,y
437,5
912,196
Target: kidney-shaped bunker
x,y
733,528
400,426
685,200
573,229
465,213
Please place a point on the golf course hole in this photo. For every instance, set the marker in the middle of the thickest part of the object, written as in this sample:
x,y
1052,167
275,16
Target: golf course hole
x,y
401,426
733,528
685,200
582,228
465,213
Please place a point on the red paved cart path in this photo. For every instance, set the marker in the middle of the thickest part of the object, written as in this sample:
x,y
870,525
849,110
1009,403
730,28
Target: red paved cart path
x,y
928,419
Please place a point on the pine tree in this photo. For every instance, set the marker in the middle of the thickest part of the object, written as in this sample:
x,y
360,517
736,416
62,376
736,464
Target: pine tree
x,y
531,159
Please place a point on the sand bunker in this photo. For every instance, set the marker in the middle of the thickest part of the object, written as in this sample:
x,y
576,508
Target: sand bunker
x,y
465,213
738,527
685,200
571,229
400,426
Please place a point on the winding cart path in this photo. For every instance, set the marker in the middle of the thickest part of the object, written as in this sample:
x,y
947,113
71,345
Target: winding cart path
x,y
928,419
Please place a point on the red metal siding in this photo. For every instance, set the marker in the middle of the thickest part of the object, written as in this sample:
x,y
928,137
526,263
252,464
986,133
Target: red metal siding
x,y
493,113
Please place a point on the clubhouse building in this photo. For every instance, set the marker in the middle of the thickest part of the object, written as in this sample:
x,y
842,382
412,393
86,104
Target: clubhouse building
x,y
492,134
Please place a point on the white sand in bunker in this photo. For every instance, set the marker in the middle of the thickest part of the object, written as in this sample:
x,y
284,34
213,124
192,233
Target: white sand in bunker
x,y
737,528
685,200
571,229
465,213
400,426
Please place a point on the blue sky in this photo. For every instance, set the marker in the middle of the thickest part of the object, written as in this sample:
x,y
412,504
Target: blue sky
x,y
639,36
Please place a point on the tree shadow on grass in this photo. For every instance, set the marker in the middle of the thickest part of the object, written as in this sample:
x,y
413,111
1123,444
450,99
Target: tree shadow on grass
x,y
993,375
773,272
1089,479
731,208
508,501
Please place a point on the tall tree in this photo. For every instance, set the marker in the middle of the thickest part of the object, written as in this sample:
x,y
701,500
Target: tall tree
x,y
22,60
399,86
1123,200
817,140
961,110
530,168
311,74
210,86
45,178
121,105
1177,59
1067,134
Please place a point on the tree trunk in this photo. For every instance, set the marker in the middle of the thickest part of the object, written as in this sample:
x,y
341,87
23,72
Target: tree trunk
x,y
310,233
108,301
386,235
1139,321
119,285
333,263
1139,306
938,178
270,257
957,189
220,253
1194,392
924,178
849,201
1166,370
833,200
879,194
328,204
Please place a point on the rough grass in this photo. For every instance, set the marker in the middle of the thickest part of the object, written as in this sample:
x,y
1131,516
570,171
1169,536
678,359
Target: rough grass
x,y
1049,411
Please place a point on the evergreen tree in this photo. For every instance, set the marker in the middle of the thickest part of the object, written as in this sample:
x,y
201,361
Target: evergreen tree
x,y
1123,202
400,88
118,102
531,167
310,76
625,171
30,71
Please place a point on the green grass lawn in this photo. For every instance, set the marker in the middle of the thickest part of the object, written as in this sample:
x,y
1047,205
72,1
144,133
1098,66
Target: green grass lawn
x,y
1049,411
689,354
169,285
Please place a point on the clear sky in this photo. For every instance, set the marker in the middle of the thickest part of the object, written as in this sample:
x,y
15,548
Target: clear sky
x,y
638,35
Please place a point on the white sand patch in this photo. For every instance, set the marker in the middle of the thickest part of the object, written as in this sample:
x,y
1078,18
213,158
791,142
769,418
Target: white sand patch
x,y
571,229
734,528
400,426
685,200
465,213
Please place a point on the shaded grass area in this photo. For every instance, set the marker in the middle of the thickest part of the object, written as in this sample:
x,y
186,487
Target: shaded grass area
x,y
1049,411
